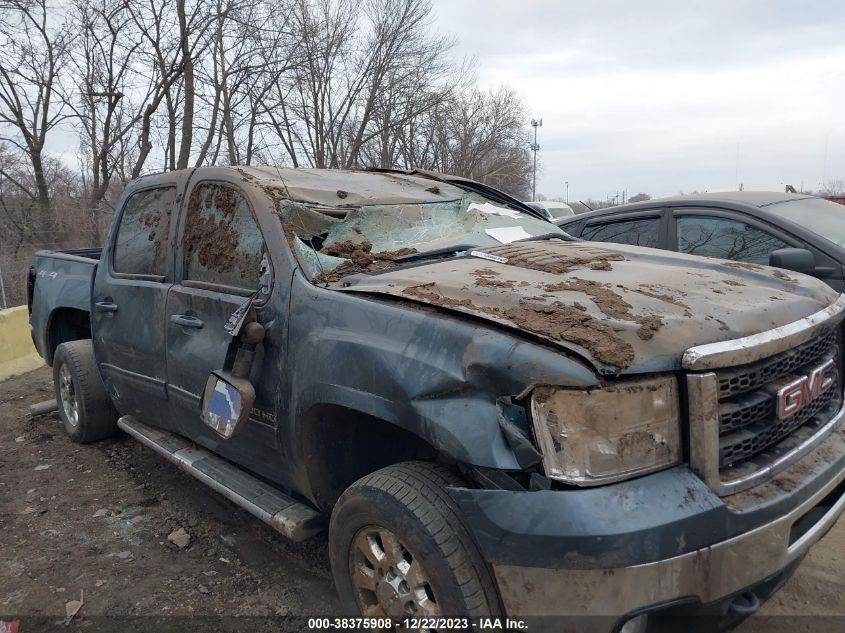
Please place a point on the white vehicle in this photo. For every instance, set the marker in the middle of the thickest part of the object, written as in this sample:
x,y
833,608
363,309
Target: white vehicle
x,y
554,210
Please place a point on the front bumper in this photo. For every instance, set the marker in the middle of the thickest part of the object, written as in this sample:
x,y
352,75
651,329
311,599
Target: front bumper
x,y
600,556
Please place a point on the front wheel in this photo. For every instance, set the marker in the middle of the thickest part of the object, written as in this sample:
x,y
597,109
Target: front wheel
x,y
399,549
84,404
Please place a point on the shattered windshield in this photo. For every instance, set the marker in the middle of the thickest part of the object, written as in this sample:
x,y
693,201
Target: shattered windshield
x,y
332,242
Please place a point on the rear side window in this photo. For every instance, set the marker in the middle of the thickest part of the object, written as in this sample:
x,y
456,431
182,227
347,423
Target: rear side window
x,y
222,243
141,244
638,232
727,239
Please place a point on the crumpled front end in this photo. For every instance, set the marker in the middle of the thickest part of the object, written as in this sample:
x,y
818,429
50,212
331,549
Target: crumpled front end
x,y
717,535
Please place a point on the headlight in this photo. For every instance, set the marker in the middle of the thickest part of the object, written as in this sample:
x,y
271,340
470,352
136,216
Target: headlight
x,y
596,436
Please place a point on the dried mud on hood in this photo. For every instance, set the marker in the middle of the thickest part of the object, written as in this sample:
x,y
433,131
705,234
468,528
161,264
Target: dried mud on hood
x,y
555,320
625,309
361,259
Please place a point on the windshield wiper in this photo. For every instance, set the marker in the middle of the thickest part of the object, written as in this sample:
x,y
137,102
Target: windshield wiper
x,y
435,252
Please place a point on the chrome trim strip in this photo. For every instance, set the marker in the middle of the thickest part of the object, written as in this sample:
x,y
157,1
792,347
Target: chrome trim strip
x,y
752,348
710,573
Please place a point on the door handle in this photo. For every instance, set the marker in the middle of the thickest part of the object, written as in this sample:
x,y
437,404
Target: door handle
x,y
186,320
106,306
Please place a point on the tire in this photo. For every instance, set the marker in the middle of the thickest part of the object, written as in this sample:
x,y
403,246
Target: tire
x,y
407,502
84,404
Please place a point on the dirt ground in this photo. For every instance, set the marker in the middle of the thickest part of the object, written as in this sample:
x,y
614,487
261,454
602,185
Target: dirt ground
x,y
95,519
52,546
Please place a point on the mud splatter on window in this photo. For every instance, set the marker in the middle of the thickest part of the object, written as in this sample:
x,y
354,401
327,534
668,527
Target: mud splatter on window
x,y
140,248
222,242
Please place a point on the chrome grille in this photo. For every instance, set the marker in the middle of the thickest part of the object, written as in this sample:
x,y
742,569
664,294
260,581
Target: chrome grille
x,y
738,447
736,439
748,424
748,377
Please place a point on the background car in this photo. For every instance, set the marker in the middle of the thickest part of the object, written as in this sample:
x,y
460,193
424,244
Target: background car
x,y
793,231
554,210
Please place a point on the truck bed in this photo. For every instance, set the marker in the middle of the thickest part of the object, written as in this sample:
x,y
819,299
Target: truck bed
x,y
59,281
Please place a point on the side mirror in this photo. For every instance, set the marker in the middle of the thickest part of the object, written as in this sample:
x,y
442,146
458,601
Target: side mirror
x,y
229,395
798,259
226,403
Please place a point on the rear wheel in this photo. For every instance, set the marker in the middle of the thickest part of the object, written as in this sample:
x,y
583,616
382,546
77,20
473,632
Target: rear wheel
x,y
399,548
84,404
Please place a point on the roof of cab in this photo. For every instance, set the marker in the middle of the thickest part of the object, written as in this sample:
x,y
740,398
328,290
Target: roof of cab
x,y
340,187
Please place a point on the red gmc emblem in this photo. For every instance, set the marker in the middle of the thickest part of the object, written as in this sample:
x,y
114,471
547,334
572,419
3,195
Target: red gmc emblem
x,y
801,392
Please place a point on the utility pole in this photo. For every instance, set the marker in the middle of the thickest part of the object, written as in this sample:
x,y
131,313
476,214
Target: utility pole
x,y
536,148
567,192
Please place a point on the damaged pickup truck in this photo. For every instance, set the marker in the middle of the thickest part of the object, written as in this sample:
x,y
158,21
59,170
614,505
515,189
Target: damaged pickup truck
x,y
488,416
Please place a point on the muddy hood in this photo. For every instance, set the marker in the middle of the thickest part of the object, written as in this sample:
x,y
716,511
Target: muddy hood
x,y
624,309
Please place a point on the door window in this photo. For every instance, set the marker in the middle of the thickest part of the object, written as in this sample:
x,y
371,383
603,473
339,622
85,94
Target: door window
x,y
222,243
727,239
141,244
638,232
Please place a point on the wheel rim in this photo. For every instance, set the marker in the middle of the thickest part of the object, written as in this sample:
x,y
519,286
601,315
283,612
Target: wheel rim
x,y
389,580
67,394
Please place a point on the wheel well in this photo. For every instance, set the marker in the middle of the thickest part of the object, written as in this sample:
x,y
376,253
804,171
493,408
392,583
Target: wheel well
x,y
67,324
342,445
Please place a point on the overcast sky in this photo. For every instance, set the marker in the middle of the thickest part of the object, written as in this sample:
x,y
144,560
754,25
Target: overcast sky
x,y
658,96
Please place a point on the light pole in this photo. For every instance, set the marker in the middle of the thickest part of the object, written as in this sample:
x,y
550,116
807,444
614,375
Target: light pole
x,y
567,192
535,124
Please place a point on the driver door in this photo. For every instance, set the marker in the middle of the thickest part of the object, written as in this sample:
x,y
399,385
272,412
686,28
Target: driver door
x,y
219,255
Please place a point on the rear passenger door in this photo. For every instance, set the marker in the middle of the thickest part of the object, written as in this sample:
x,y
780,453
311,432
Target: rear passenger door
x,y
219,253
129,296
644,228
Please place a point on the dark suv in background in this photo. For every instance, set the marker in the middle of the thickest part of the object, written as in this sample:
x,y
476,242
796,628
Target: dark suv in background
x,y
794,231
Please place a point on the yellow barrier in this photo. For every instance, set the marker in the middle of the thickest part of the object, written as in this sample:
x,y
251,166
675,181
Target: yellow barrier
x,y
17,353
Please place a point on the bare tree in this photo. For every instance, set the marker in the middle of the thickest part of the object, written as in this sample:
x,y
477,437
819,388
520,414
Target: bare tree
x,y
35,47
171,44
480,135
105,79
402,67
248,44
833,187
